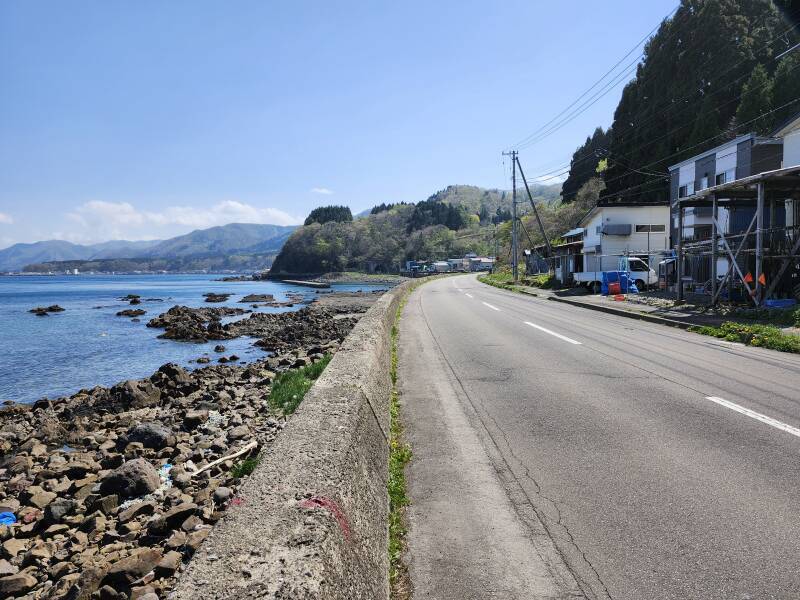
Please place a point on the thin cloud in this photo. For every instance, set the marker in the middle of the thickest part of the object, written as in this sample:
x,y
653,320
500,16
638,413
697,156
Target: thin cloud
x,y
321,190
6,219
121,220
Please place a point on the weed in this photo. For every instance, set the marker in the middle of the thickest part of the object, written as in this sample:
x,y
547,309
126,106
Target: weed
x,y
764,336
246,467
290,387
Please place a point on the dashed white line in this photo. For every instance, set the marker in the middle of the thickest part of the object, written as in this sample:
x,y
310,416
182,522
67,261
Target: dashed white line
x,y
468,295
490,306
755,415
558,335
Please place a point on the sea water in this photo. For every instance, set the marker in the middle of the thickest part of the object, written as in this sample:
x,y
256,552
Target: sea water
x,y
88,345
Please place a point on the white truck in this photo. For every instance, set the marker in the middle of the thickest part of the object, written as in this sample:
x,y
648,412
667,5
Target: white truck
x,y
638,272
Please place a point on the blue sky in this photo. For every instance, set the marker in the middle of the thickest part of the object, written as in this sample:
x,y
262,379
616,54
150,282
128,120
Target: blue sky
x,y
142,120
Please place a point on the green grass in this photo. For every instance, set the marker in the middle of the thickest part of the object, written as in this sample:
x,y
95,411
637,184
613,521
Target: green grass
x,y
399,456
290,387
785,317
246,467
504,280
764,336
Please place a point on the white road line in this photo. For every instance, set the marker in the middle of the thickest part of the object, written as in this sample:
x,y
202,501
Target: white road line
x,y
558,335
490,306
468,295
459,289
754,415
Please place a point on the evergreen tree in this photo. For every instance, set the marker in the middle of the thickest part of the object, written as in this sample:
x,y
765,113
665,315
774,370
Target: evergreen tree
x,y
325,214
584,162
786,87
756,100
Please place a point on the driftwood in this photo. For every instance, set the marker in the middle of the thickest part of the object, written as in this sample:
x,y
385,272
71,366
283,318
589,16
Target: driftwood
x,y
243,450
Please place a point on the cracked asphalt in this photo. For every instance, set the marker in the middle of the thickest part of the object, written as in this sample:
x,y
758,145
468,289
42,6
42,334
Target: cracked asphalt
x,y
565,453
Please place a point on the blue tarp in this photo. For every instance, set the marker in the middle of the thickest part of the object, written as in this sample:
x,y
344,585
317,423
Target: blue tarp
x,y
625,285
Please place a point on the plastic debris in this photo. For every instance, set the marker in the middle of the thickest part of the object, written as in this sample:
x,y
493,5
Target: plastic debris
x,y
7,518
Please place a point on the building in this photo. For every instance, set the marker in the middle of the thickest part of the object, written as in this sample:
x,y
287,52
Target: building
x,y
738,159
623,230
566,257
751,249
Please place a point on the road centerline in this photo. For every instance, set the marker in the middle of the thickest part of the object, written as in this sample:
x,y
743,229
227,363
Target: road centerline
x,y
553,333
468,295
755,415
491,306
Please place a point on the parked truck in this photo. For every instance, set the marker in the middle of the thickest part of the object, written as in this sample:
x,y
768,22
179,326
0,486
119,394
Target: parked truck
x,y
638,271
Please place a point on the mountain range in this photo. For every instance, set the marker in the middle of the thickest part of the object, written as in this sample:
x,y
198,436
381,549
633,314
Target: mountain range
x,y
234,238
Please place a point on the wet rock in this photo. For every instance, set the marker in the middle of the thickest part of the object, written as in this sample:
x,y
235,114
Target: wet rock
x,y
219,348
39,310
213,297
134,478
131,312
258,298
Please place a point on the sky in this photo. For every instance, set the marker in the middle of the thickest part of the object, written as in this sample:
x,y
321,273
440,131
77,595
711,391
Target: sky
x,y
145,120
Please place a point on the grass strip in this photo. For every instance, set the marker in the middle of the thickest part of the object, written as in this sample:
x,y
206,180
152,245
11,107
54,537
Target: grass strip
x,y
291,386
762,336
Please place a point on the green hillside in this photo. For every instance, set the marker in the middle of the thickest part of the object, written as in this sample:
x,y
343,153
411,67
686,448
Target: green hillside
x,y
451,222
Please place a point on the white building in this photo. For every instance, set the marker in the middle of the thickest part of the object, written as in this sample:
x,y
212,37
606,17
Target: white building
x,y
640,231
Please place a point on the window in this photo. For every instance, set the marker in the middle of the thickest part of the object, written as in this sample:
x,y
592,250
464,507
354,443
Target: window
x,y
651,228
703,183
686,190
726,176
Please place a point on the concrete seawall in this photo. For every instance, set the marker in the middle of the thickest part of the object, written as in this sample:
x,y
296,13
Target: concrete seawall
x,y
312,520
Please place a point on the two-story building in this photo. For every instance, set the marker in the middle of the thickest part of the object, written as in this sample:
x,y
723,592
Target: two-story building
x,y
691,225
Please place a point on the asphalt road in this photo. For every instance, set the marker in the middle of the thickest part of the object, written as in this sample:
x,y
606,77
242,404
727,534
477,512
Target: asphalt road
x,y
561,453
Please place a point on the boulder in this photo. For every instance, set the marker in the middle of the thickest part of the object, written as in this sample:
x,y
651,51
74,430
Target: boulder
x,y
124,572
152,435
58,509
12,586
134,478
135,394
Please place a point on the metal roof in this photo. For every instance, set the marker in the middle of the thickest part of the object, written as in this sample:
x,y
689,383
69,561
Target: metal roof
x,y
744,182
695,158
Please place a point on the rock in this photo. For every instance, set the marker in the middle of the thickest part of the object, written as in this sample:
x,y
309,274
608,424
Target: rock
x,y
212,297
238,433
177,515
13,547
58,509
109,593
131,312
152,435
43,310
194,418
42,499
12,586
219,348
41,552
86,584
258,298
222,494
134,394
196,538
124,572
134,478
168,564
203,360
6,568
135,510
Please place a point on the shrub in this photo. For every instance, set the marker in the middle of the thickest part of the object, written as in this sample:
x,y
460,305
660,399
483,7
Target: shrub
x,y
764,336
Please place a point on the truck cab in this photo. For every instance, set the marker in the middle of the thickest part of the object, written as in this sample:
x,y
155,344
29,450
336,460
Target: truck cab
x,y
638,271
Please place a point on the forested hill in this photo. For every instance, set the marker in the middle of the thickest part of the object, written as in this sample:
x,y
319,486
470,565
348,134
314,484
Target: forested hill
x,y
714,70
451,222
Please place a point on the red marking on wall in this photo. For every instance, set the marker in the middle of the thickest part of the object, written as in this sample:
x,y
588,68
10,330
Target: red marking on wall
x,y
333,508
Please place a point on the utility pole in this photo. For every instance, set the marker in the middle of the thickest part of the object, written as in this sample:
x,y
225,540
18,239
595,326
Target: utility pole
x,y
514,248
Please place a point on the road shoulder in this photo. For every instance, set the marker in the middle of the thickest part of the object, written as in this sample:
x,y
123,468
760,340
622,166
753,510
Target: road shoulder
x,y
471,535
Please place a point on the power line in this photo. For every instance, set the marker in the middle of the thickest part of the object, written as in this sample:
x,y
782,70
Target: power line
x,y
606,74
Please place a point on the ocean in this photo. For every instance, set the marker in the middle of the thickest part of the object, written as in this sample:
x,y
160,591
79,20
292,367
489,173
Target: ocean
x,y
88,345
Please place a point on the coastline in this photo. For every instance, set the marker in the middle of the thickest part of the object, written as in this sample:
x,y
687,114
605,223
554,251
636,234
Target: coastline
x,y
114,488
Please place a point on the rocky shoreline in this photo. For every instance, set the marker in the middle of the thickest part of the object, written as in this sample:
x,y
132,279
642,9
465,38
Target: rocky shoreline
x,y
107,493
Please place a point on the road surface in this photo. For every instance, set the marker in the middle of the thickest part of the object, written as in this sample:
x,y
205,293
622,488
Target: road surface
x,y
565,453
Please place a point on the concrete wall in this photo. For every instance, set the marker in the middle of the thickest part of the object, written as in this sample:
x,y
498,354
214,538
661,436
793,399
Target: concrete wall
x,y
312,522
